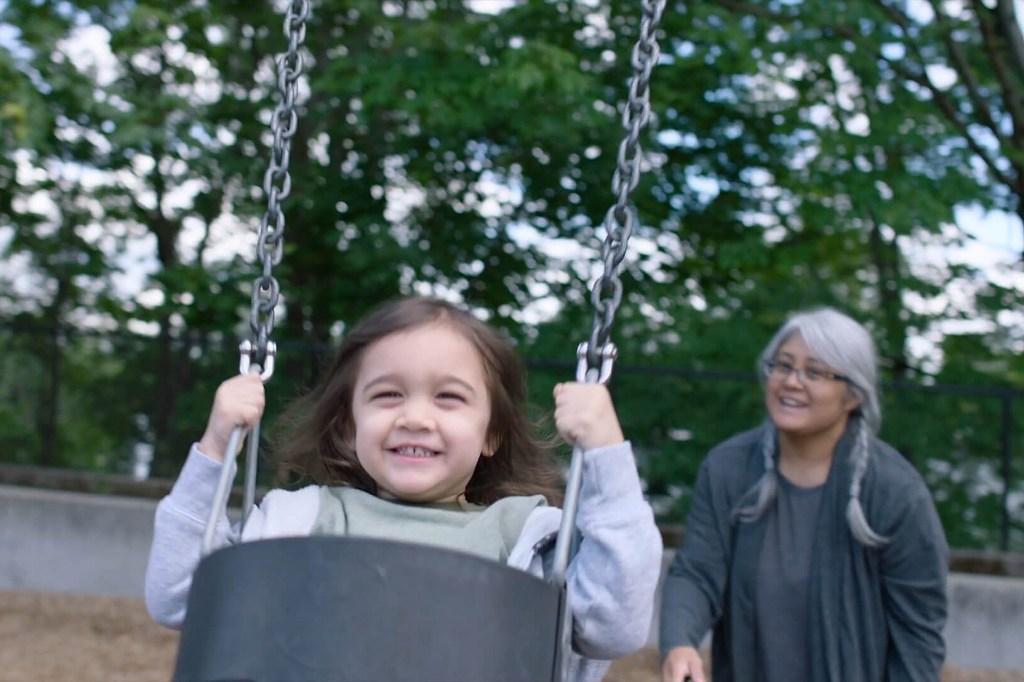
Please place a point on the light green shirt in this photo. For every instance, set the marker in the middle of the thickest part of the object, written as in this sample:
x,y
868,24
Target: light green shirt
x,y
489,532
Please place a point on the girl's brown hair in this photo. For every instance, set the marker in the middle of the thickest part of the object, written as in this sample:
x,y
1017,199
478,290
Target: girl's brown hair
x,y
316,442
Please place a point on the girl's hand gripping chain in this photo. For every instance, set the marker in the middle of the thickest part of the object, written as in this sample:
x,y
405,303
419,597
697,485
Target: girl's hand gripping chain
x,y
239,401
585,415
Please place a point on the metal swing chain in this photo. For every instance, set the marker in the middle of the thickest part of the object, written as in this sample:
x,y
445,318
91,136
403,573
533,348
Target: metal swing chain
x,y
257,353
618,222
596,357
277,186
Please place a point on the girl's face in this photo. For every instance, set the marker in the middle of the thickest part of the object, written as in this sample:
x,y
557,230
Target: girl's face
x,y
805,397
421,408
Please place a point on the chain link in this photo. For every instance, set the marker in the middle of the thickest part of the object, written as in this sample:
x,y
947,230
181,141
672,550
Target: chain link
x,y
277,184
621,217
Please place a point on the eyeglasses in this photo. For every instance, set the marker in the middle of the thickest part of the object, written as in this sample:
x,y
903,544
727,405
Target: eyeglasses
x,y
780,369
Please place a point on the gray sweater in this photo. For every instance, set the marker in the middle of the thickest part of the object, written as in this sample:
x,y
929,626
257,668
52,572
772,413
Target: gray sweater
x,y
611,581
875,614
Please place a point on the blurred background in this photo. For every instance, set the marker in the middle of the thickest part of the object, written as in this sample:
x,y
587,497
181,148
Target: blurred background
x,y
863,154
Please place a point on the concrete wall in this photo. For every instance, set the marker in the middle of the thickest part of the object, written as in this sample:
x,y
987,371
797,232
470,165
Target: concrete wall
x,y
73,542
986,622
93,544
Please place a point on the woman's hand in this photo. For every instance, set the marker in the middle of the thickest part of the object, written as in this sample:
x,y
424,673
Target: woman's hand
x,y
585,415
683,663
239,402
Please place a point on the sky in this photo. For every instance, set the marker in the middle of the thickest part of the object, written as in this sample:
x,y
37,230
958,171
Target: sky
x,y
998,236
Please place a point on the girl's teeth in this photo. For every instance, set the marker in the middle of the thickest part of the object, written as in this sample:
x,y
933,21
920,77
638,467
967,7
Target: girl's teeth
x,y
414,452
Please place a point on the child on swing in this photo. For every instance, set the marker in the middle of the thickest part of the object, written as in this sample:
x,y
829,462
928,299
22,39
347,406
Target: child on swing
x,y
419,433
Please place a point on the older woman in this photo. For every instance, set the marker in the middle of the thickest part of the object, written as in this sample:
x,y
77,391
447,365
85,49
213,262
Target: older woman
x,y
812,549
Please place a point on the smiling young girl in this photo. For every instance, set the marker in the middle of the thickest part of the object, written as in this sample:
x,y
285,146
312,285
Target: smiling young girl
x,y
419,433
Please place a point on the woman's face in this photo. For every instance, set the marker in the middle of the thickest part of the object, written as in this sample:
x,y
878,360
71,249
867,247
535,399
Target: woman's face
x,y
804,396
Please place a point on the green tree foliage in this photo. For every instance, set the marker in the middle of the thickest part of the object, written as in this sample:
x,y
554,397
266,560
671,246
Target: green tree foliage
x,y
800,154
845,135
815,153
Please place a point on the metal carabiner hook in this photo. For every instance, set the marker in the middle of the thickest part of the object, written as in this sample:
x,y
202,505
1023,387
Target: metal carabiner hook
x,y
585,373
246,349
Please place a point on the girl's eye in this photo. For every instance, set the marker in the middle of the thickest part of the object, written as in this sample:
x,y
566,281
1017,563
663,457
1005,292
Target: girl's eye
x,y
451,397
384,395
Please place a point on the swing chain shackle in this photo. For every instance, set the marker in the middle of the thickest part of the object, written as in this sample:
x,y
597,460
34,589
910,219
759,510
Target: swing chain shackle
x,y
621,217
247,363
277,185
586,373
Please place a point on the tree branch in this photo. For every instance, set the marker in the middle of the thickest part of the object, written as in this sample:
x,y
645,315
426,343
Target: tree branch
x,y
1011,32
991,39
945,103
964,70
948,108
754,10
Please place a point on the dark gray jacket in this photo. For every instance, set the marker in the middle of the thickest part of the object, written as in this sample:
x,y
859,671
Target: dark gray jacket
x,y
876,614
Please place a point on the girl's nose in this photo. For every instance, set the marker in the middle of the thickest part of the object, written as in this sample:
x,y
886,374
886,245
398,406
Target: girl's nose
x,y
416,416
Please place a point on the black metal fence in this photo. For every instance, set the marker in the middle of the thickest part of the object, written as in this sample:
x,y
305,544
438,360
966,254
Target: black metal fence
x,y
131,403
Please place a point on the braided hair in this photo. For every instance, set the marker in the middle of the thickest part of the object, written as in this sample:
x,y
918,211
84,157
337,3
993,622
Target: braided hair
x,y
844,344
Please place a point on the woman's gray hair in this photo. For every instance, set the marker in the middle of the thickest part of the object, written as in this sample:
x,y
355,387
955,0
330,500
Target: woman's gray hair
x,y
845,345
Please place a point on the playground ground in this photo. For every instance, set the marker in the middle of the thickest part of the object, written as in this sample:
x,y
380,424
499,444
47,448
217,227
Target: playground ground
x,y
54,637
